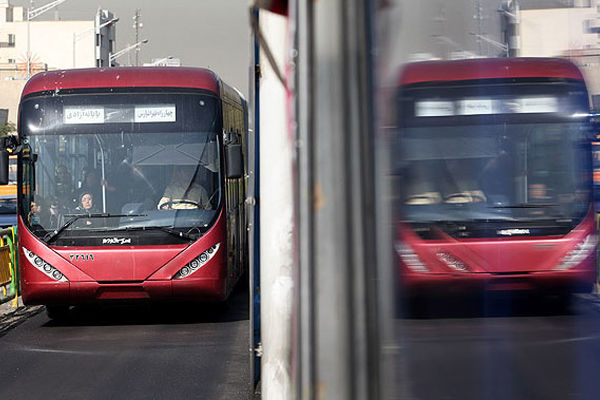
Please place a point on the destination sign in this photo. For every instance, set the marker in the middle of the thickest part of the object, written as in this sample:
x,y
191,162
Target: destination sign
x,y
83,115
434,108
157,113
475,107
487,106
539,105
119,114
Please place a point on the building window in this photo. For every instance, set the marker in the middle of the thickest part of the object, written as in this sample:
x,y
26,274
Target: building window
x,y
11,40
11,60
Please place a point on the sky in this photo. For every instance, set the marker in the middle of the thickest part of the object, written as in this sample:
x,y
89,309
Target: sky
x,y
215,33
202,33
442,26
435,28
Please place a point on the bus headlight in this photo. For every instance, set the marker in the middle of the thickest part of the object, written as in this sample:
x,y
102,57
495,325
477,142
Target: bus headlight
x,y
452,262
410,258
197,262
43,266
581,251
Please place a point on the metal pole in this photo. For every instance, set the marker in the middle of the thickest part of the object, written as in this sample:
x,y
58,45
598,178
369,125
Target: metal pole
x,y
74,40
29,39
254,213
103,174
514,39
510,17
479,26
302,28
127,49
98,39
137,35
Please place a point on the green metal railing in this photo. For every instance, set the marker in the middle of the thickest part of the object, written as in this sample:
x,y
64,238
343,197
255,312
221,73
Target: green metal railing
x,y
9,271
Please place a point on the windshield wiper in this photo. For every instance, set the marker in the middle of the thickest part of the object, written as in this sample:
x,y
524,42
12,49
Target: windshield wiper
x,y
528,205
167,229
105,215
74,217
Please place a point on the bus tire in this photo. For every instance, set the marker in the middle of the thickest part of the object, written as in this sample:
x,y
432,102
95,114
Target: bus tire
x,y
57,312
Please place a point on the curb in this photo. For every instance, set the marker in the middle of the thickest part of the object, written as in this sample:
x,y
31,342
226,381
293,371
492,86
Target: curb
x,y
11,316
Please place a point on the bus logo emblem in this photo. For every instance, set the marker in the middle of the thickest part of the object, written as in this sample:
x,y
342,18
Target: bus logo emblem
x,y
116,240
511,232
81,257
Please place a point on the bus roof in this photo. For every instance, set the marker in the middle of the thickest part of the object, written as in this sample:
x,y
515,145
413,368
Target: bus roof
x,y
181,77
487,68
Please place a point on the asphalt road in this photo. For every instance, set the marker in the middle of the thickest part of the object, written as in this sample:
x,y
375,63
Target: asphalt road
x,y
500,348
130,352
491,348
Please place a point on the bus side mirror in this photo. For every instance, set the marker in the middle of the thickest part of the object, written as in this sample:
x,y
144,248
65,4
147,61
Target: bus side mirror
x,y
233,160
3,167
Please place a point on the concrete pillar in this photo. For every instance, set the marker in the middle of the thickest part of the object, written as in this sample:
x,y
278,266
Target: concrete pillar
x,y
276,217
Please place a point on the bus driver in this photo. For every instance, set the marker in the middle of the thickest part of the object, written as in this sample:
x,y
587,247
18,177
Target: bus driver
x,y
184,191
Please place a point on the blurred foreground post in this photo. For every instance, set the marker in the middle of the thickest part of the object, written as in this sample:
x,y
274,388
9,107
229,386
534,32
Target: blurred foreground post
x,y
341,323
276,215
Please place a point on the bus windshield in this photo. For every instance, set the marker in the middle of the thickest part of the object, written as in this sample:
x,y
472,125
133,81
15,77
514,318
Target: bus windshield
x,y
135,162
481,166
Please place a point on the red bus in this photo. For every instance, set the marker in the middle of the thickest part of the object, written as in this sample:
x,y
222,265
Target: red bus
x,y
494,169
159,151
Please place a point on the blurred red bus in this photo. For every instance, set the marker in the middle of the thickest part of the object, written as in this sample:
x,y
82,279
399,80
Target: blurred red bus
x,y
494,169
123,135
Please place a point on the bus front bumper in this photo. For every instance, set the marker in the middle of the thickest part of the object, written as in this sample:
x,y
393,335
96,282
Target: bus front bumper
x,y
561,282
85,292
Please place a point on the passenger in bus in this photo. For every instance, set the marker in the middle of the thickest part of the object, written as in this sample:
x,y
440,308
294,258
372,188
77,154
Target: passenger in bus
x,y
90,182
56,213
34,213
185,191
86,203
538,192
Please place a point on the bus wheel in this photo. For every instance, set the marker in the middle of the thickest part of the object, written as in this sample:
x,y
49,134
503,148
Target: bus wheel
x,y
57,312
562,302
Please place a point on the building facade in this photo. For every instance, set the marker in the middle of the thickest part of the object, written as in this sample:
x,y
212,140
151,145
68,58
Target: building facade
x,y
567,28
51,45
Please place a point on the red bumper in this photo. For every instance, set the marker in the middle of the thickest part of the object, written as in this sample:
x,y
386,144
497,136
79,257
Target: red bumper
x,y
578,280
41,292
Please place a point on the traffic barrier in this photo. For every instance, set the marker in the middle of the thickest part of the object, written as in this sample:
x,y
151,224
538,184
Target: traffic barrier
x,y
9,278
